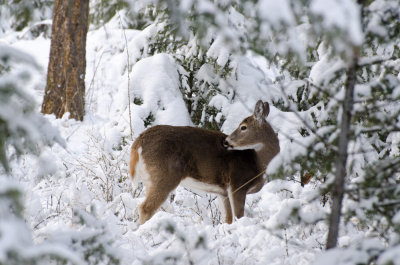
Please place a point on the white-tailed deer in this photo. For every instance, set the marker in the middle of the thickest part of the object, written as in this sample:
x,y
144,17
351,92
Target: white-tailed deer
x,y
230,166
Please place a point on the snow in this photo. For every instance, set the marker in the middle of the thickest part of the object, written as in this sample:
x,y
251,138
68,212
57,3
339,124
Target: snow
x,y
391,256
324,71
343,14
37,48
156,81
217,51
275,11
337,256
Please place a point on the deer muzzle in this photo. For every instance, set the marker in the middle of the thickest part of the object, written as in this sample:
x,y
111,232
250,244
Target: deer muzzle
x,y
226,143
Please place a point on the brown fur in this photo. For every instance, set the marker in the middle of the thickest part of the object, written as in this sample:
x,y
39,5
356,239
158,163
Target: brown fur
x,y
172,153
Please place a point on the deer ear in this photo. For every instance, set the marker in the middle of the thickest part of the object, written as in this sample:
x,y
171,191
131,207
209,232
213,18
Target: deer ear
x,y
261,110
266,109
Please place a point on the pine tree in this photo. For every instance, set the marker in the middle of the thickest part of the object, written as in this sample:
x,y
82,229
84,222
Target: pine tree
x,y
65,89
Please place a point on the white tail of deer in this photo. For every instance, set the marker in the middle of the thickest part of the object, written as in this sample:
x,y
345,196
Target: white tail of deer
x,y
230,166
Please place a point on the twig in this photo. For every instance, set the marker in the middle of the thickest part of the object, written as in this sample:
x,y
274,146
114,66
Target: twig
x,y
92,81
286,243
129,79
45,219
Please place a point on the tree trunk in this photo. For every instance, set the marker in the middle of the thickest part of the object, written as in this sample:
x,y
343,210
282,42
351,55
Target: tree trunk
x,y
65,89
341,162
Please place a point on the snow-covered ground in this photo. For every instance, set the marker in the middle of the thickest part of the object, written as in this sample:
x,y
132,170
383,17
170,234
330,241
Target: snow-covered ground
x,y
91,173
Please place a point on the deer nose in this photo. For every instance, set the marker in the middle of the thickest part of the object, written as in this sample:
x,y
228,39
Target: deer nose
x,y
225,143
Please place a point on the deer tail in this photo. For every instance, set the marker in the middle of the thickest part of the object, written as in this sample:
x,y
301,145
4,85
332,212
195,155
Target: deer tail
x,y
134,160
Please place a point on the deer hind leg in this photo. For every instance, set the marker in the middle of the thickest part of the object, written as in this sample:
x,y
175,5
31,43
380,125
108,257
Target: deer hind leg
x,y
155,197
226,209
158,187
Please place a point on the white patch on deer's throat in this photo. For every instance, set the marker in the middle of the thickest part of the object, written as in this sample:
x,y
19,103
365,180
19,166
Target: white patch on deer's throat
x,y
194,184
256,147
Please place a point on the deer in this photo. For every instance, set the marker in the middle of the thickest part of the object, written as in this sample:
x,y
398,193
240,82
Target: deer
x,y
230,166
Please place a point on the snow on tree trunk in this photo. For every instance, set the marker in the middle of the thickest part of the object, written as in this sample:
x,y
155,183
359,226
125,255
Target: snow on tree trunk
x,y
65,89
341,161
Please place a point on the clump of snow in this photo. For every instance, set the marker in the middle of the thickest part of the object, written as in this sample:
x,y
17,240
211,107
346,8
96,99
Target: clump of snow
x,y
218,52
156,81
390,256
275,12
325,70
343,14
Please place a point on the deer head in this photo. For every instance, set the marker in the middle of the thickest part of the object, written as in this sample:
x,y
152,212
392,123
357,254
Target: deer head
x,y
253,132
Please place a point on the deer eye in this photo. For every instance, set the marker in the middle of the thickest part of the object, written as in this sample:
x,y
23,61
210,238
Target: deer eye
x,y
243,127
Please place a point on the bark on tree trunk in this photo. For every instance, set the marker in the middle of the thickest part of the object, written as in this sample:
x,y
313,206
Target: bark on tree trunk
x,y
65,89
341,162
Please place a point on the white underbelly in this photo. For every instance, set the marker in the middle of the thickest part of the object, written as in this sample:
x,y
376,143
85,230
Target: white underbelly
x,y
194,184
142,175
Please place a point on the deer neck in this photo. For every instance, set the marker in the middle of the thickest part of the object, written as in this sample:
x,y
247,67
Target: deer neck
x,y
262,157
265,153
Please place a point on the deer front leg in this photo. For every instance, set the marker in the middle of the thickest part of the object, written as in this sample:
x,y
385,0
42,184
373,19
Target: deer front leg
x,y
225,207
237,201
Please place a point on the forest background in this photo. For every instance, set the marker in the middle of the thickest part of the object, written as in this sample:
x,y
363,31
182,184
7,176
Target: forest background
x,y
328,68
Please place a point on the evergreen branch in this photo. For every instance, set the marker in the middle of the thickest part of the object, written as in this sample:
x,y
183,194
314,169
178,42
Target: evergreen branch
x,y
312,129
373,101
376,129
383,188
368,61
388,203
291,139
321,90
